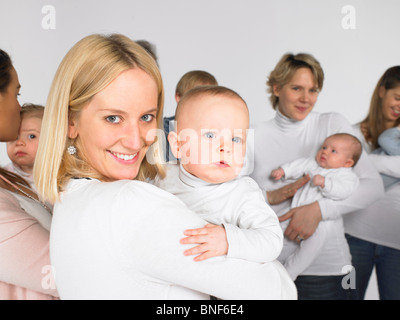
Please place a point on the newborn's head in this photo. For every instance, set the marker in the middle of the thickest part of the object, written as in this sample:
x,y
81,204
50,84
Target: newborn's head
x,y
341,150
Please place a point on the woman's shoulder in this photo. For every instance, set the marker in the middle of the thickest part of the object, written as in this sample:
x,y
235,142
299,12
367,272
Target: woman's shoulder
x,y
329,116
7,199
262,125
13,218
116,191
331,122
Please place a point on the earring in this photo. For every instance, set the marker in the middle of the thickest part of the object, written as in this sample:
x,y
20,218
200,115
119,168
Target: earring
x,y
71,150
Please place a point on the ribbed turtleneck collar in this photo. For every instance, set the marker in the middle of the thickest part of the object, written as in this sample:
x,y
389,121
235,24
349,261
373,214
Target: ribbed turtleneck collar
x,y
190,179
286,124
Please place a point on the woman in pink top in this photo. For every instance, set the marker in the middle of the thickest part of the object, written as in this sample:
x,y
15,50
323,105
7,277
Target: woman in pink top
x,y
25,271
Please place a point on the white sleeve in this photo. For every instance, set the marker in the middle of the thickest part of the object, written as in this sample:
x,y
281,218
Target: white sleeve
x,y
339,185
256,235
297,168
148,241
370,187
385,164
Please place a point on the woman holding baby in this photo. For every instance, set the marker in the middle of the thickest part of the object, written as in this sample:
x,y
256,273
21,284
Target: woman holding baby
x,y
115,235
295,132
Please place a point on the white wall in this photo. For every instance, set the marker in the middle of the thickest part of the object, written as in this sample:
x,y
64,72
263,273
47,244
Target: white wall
x,y
239,41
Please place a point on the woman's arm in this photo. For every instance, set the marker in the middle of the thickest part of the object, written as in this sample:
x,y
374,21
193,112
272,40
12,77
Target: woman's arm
x,y
152,245
388,165
286,192
24,248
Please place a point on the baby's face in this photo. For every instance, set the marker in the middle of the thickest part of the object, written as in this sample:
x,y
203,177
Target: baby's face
x,y
212,132
335,152
23,150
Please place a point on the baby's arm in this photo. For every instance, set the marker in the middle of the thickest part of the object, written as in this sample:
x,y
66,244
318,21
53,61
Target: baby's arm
x,y
297,168
319,181
252,232
339,185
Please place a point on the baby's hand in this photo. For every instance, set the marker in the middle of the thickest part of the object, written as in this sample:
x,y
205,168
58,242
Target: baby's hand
x,y
319,181
277,173
212,242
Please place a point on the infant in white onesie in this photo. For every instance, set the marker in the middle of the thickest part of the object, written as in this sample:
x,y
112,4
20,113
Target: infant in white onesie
x,y
332,176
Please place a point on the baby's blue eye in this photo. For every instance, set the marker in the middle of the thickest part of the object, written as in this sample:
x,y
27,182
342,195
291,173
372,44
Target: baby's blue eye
x,y
31,136
237,140
209,135
113,119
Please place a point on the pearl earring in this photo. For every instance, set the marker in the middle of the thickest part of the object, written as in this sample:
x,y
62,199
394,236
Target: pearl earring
x,y
71,150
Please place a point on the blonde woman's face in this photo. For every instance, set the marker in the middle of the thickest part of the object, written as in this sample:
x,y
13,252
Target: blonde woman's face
x,y
298,96
118,125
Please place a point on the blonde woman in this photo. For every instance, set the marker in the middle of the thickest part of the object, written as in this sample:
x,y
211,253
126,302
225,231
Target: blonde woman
x,y
295,132
115,236
373,233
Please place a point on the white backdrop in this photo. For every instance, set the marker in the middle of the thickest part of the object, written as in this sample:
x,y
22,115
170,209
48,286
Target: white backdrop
x,y
238,41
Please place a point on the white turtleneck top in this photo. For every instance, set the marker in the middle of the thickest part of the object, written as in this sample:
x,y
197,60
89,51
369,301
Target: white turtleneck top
x,y
282,140
252,227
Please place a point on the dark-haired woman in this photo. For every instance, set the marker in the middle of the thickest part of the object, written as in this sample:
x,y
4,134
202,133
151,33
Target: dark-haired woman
x,y
373,233
25,271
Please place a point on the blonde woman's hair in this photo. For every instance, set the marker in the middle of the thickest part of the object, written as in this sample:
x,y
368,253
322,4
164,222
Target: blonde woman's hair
x,y
374,124
193,79
286,68
90,65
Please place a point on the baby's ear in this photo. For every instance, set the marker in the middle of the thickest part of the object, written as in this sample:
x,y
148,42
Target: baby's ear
x,y
349,163
174,144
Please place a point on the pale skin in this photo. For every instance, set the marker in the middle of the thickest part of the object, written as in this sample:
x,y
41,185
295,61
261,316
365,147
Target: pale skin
x,y
222,120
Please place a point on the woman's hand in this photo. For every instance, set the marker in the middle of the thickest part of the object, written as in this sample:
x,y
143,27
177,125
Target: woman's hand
x,y
212,242
304,221
279,195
